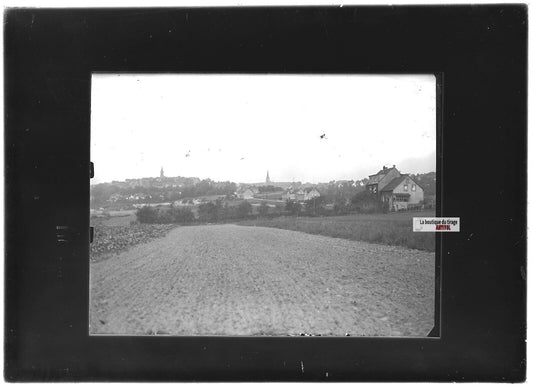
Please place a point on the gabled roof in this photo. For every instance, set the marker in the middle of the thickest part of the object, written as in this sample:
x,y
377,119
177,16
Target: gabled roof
x,y
395,183
384,171
377,177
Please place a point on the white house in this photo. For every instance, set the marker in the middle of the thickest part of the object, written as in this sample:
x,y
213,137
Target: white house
x,y
301,195
402,193
247,194
312,194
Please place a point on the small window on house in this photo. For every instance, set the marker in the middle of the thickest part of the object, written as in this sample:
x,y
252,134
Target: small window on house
x,y
405,187
413,188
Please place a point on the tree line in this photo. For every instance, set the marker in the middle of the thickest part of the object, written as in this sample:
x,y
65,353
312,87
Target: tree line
x,y
102,192
220,211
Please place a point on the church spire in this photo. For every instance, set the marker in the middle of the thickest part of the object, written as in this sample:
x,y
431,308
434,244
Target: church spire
x,y
162,173
268,178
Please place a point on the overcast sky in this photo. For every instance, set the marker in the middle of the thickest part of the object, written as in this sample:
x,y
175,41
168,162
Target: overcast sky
x,y
236,127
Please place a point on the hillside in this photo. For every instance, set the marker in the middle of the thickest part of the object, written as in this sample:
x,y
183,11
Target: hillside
x,y
428,182
167,189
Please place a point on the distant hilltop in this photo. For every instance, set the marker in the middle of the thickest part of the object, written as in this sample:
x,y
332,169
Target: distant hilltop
x,y
281,184
155,182
181,181
170,189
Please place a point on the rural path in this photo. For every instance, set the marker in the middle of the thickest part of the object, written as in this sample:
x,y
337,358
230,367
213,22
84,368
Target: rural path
x,y
241,280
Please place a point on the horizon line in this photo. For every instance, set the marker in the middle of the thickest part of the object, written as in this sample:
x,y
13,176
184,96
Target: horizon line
x,y
246,182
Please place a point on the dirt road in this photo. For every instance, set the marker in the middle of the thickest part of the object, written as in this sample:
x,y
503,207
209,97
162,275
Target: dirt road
x,y
240,280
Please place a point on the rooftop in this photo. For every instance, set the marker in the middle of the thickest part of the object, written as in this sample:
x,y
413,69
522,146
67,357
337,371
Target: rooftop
x,y
385,170
394,183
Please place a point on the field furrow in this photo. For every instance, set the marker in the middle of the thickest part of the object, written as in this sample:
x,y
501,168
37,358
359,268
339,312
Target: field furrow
x,y
241,280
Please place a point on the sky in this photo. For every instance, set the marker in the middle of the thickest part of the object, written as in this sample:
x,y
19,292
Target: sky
x,y
308,128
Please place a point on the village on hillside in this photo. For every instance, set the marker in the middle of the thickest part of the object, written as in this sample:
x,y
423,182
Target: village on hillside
x,y
393,190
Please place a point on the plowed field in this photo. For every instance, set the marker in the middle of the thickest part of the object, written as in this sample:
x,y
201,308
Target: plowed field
x,y
240,280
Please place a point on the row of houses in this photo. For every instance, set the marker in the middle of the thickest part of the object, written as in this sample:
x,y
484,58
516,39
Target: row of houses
x,y
290,194
134,197
399,191
199,200
301,195
119,198
161,181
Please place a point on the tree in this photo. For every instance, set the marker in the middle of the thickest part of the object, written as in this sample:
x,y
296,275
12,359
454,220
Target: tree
x,y
165,216
315,206
147,214
207,212
367,202
181,215
339,206
269,188
263,209
279,209
244,209
293,208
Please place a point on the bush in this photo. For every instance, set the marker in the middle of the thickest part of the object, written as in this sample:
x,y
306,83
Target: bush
x,y
315,206
183,215
208,212
244,209
176,215
366,202
263,209
340,207
428,203
147,214
293,208
279,209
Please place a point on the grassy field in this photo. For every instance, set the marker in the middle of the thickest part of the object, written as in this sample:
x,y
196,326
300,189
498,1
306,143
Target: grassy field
x,y
389,229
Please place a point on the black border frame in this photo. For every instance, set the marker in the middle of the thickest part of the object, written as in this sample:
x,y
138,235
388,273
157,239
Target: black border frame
x,y
49,57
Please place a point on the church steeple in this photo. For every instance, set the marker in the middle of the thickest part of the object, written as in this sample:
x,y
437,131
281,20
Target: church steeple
x,y
268,178
162,173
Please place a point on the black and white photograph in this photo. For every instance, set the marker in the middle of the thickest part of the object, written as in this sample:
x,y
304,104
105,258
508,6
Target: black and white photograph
x,y
262,204
265,193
